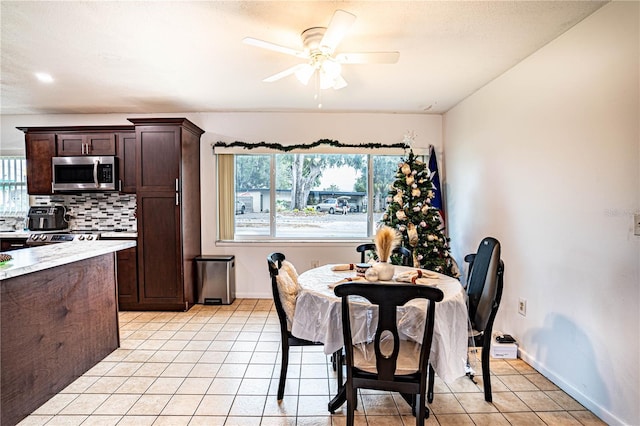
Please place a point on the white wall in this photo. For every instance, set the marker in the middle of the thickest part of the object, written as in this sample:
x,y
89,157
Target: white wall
x,y
287,128
546,159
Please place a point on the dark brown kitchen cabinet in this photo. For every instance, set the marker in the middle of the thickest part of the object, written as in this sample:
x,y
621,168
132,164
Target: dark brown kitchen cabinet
x,y
73,144
44,143
40,148
126,151
127,267
7,244
159,161
168,211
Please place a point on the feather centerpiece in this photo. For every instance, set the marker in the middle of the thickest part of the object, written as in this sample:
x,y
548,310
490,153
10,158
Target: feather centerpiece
x,y
386,240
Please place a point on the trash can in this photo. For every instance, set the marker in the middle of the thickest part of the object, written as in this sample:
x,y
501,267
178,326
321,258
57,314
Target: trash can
x,y
216,279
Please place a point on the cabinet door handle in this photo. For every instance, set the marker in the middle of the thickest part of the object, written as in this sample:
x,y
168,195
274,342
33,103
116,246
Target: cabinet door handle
x,y
177,184
95,173
177,199
120,185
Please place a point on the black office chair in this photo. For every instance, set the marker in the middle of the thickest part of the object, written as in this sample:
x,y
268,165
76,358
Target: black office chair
x,y
405,254
399,365
280,286
484,288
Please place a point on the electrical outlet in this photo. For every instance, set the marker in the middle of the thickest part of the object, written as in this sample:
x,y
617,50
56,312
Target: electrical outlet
x,y
315,263
522,307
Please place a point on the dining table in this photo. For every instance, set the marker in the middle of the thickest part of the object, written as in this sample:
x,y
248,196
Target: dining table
x,y
318,317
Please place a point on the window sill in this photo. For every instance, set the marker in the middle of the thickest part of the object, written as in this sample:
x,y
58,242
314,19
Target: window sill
x,y
291,243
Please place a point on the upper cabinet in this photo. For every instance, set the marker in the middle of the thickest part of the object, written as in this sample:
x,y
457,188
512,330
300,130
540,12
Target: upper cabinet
x,y
40,148
126,151
159,151
73,144
44,143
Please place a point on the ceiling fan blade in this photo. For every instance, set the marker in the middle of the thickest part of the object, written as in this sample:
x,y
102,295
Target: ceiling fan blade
x,y
368,58
337,29
272,46
286,73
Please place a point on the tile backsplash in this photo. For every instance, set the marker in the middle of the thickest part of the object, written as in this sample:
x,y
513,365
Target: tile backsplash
x,y
104,211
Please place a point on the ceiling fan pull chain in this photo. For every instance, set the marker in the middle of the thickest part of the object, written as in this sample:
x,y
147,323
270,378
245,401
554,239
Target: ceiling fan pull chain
x,y
318,95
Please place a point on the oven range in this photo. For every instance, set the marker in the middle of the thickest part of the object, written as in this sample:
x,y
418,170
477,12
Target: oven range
x,y
39,239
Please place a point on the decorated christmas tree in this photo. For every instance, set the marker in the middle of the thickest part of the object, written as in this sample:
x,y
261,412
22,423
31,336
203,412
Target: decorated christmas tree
x,y
410,211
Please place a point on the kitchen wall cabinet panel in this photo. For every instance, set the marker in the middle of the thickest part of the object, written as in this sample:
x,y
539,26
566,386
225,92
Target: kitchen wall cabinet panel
x,y
40,149
73,144
159,151
126,152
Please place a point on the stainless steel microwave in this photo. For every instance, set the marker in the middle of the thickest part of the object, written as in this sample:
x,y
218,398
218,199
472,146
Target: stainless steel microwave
x,y
86,173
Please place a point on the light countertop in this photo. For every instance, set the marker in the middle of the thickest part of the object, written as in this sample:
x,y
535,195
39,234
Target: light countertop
x,y
103,234
15,234
118,234
28,260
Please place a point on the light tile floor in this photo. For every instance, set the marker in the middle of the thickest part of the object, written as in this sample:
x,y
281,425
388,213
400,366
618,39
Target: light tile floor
x,y
219,365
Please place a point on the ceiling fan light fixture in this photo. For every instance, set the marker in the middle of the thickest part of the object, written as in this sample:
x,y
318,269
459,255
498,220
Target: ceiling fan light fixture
x,y
304,74
330,75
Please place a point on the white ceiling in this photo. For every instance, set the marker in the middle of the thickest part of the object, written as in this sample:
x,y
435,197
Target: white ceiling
x,y
188,56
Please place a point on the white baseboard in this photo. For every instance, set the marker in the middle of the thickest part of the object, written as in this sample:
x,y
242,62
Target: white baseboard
x,y
259,295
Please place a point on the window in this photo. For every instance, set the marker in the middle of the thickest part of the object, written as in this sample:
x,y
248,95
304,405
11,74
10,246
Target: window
x,y
307,196
14,200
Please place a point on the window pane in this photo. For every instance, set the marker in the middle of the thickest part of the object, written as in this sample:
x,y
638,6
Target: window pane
x,y
253,198
384,174
321,196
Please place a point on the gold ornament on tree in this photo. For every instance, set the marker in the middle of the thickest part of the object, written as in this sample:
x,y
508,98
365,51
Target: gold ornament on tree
x,y
412,232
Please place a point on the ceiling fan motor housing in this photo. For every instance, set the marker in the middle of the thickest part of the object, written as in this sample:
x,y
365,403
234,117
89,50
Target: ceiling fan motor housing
x,y
311,38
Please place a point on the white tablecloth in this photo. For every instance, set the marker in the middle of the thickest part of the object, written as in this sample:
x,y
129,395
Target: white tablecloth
x,y
318,318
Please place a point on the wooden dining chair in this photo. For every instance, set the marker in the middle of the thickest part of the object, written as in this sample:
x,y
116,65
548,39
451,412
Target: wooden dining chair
x,y
387,363
363,249
284,287
484,289
406,254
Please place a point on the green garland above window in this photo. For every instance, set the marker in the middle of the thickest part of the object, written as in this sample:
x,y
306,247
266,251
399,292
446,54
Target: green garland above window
x,y
287,148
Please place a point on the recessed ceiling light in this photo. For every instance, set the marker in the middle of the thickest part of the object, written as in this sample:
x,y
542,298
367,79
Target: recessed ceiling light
x,y
44,77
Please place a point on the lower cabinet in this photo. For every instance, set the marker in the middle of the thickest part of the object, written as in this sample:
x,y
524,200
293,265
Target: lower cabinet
x,y
127,278
7,244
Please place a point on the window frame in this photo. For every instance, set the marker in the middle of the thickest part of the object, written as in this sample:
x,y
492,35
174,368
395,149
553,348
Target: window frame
x,y
223,213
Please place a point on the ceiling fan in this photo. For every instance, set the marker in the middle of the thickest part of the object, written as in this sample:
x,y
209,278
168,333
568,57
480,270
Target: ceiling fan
x,y
319,45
